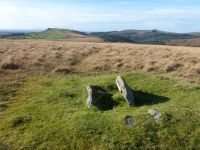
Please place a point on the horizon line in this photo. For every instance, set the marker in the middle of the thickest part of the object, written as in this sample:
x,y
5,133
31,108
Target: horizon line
x,y
43,29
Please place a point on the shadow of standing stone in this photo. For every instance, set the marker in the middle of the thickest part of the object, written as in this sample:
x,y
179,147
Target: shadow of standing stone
x,y
145,98
99,98
125,90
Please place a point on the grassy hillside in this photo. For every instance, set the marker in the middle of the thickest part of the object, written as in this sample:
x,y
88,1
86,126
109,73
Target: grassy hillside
x,y
49,112
54,34
44,57
142,36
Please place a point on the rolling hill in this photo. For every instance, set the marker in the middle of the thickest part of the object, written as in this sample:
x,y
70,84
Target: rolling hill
x,y
142,36
129,36
54,34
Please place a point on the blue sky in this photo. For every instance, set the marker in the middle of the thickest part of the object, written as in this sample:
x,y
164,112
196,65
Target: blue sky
x,y
101,15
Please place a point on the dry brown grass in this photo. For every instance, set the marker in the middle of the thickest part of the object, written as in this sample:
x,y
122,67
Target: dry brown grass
x,y
184,42
41,57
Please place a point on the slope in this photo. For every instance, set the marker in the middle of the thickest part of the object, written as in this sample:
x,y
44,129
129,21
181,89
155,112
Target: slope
x,y
55,34
141,36
49,112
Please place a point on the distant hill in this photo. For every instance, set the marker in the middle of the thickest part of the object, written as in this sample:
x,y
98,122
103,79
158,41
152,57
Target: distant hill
x,y
54,34
142,36
129,36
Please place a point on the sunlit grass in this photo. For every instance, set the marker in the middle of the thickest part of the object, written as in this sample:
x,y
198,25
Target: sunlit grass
x,y
50,112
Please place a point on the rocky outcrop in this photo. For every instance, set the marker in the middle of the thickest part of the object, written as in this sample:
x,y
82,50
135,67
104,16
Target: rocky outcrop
x,y
125,90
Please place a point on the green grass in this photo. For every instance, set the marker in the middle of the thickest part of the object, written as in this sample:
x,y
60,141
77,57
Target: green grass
x,y
50,34
49,112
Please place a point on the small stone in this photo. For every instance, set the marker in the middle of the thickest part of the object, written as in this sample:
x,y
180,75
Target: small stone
x,y
125,90
119,65
128,121
155,114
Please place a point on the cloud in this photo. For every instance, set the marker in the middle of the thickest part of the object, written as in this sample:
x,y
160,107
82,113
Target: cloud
x,y
37,15
14,15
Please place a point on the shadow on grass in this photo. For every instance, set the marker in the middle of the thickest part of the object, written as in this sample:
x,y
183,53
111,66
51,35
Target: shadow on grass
x,y
144,98
103,100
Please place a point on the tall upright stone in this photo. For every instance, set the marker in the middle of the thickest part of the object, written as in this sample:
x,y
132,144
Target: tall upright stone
x,y
89,99
125,90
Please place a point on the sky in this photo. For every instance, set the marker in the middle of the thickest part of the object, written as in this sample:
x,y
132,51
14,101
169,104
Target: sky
x,y
101,15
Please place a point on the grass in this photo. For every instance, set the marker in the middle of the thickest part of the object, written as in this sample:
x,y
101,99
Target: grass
x,y
62,56
50,112
50,35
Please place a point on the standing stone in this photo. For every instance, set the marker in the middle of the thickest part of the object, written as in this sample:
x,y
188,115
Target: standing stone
x,y
89,99
155,114
99,98
125,90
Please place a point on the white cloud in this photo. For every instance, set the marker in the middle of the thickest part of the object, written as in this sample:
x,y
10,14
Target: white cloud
x,y
35,16
13,15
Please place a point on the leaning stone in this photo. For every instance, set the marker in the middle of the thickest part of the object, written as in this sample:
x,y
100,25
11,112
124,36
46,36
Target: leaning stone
x,y
125,90
155,114
128,121
89,99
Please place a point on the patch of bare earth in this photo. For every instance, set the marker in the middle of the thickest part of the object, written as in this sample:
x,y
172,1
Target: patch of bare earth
x,y
31,57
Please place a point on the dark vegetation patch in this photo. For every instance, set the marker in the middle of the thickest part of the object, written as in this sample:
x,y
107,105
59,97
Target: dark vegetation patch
x,y
172,67
9,63
9,90
19,121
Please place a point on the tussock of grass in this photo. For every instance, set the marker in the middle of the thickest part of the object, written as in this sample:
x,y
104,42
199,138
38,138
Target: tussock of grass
x,y
50,112
36,57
